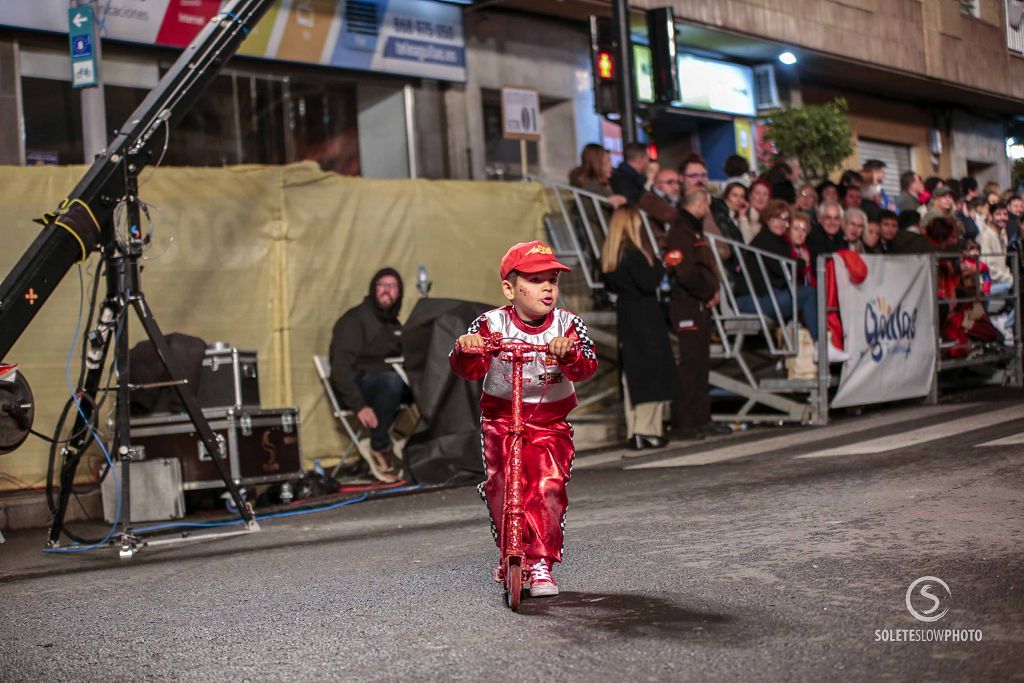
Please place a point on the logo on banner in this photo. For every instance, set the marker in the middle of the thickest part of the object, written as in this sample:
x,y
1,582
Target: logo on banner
x,y
888,331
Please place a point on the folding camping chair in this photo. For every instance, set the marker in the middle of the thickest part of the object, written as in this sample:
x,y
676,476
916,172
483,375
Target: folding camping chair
x,y
352,426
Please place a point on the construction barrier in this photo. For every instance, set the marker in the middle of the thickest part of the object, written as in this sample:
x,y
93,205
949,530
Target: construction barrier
x,y
266,258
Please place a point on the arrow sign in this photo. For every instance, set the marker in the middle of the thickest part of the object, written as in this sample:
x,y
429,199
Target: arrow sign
x,y
81,35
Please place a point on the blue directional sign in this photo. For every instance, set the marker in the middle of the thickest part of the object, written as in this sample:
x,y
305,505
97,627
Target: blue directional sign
x,y
82,35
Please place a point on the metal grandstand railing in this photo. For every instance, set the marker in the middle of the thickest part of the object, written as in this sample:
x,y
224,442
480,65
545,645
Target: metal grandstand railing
x,y
577,227
578,233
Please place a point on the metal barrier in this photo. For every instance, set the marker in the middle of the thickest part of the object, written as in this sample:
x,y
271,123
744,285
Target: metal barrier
x,y
578,226
1010,355
579,232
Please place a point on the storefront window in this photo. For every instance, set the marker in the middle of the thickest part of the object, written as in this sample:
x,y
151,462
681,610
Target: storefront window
x,y
208,134
502,156
262,120
121,102
325,126
241,118
53,122
254,119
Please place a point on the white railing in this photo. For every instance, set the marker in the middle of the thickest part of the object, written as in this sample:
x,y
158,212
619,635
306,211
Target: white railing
x,y
579,233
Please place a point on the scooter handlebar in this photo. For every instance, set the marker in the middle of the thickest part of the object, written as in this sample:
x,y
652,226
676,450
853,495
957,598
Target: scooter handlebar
x,y
506,346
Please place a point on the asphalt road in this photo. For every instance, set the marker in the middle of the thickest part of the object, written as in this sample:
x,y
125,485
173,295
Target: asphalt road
x,y
690,564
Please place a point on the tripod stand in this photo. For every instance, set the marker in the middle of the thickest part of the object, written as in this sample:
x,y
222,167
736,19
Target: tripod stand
x,y
124,292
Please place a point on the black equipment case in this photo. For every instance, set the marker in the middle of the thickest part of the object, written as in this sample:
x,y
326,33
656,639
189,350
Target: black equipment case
x,y
229,378
261,445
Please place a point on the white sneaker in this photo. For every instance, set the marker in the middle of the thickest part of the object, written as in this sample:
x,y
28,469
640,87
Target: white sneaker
x,y
834,355
837,355
541,583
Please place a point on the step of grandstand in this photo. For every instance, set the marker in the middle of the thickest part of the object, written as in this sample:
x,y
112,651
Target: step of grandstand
x,y
884,434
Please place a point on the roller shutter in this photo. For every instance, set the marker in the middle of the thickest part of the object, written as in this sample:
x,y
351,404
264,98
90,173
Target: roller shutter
x,y
896,158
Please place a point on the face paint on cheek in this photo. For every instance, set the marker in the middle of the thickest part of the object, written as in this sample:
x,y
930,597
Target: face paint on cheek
x,y
522,290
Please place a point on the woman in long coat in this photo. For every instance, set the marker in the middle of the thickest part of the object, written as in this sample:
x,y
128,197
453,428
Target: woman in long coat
x,y
650,377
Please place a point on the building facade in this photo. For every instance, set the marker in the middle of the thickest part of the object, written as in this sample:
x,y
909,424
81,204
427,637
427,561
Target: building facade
x,y
345,84
411,88
932,85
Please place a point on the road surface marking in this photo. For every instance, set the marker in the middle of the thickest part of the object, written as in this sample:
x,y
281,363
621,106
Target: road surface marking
x,y
799,437
922,435
1011,440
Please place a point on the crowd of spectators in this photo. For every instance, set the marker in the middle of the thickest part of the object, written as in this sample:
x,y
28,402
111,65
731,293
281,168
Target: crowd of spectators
x,y
973,227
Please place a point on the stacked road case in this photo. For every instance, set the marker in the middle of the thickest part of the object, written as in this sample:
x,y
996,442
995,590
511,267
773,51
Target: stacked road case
x,y
260,445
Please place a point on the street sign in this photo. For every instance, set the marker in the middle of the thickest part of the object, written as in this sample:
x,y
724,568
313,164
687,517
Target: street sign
x,y
82,36
520,114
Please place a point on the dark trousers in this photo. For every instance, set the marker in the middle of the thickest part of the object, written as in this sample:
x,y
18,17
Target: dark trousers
x,y
382,391
806,305
693,410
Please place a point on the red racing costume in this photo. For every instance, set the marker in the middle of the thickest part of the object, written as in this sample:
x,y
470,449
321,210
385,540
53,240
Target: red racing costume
x,y
548,396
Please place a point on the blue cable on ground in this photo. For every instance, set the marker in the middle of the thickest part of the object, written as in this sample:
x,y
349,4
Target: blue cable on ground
x,y
234,522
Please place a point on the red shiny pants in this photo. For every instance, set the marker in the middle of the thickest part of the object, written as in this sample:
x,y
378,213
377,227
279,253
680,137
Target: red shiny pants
x,y
547,453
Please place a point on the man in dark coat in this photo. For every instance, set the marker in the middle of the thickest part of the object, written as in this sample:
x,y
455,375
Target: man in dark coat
x,y
695,286
661,201
363,338
899,241
630,177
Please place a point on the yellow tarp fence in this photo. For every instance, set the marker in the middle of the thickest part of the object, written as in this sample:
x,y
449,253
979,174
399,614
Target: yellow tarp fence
x,y
264,258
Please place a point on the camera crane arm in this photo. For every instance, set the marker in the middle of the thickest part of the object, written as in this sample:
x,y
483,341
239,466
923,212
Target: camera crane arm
x,y
83,222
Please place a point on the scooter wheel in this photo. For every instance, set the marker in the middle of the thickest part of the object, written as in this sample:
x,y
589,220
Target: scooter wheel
x,y
513,583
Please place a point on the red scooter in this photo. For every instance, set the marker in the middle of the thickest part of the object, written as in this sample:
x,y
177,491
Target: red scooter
x,y
513,528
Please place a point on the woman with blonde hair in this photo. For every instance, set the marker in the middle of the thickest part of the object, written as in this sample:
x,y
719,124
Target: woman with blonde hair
x,y
649,375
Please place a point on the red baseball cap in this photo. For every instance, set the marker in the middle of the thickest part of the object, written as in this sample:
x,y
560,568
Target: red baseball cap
x,y
530,257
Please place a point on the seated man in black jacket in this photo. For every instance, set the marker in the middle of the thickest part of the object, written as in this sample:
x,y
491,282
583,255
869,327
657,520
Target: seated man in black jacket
x,y
363,338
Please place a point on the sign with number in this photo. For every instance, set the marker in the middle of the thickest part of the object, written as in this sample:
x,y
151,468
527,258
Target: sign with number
x,y
82,34
520,114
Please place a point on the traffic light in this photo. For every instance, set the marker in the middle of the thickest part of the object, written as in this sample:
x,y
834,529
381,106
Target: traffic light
x,y
661,34
605,66
605,63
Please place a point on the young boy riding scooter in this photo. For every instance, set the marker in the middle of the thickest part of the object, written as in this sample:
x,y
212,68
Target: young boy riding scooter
x,y
529,281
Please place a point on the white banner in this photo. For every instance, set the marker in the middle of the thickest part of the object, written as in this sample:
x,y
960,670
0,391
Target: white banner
x,y
888,330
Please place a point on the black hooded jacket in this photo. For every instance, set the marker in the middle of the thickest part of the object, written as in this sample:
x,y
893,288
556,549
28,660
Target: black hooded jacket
x,y
363,337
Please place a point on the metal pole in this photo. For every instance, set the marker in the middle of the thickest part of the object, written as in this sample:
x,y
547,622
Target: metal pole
x,y
409,98
933,266
620,22
94,108
1018,360
823,368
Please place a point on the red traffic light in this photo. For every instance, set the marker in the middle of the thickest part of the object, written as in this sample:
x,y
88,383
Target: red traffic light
x,y
605,66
